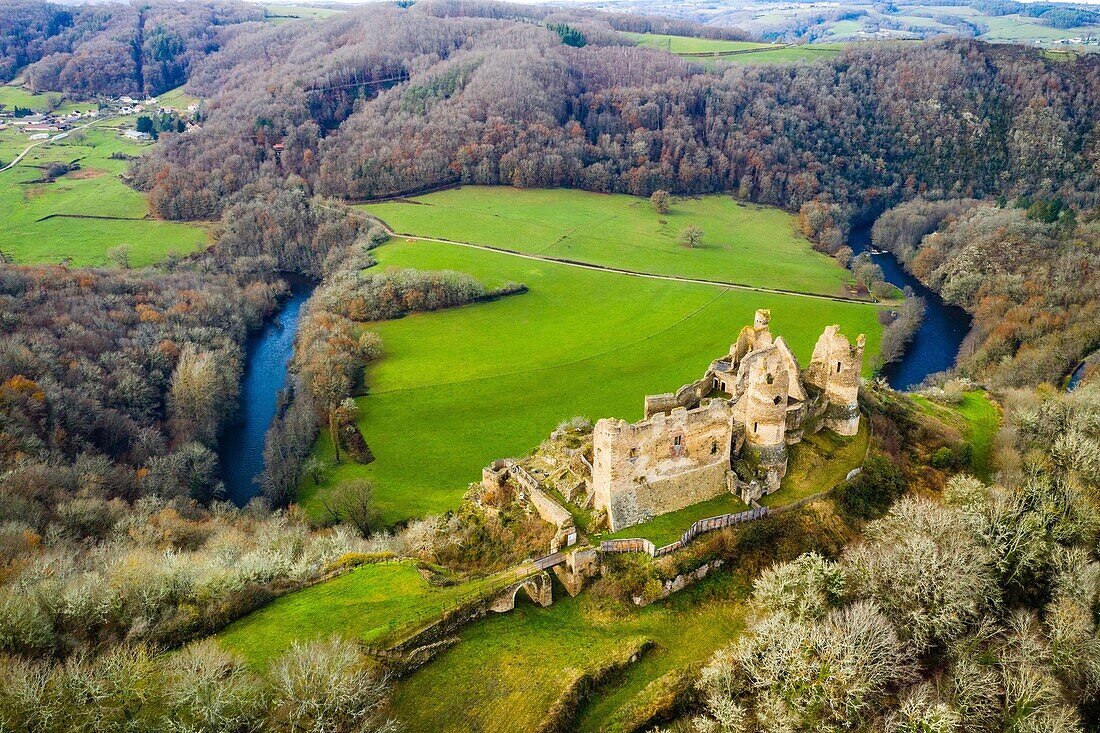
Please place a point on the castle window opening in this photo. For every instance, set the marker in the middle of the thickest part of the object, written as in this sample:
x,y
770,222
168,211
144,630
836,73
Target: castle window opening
x,y
713,447
770,379
776,400
838,367
756,427
678,441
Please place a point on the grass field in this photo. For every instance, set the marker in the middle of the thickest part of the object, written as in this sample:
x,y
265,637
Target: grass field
x,y
369,603
277,12
1019,29
14,96
177,99
789,54
687,44
28,236
977,418
742,243
458,388
508,670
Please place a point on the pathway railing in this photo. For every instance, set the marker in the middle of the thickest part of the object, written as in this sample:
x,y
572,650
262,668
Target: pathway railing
x,y
639,544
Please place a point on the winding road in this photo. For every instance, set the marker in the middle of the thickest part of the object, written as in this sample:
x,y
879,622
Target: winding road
x,y
59,136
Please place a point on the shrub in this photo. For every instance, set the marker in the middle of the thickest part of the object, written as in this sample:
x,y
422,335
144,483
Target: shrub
x,y
871,493
325,687
943,458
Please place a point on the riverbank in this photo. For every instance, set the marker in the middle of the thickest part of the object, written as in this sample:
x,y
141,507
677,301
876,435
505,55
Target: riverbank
x,y
268,356
936,344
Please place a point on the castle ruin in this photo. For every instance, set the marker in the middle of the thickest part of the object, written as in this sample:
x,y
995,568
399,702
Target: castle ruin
x,y
729,430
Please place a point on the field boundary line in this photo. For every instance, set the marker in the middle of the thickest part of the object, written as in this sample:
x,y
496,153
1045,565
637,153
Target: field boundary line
x,y
608,268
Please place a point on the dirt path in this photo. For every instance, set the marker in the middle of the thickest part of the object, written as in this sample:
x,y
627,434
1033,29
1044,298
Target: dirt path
x,y
605,268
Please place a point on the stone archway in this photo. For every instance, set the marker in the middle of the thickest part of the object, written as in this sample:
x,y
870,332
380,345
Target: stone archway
x,y
538,588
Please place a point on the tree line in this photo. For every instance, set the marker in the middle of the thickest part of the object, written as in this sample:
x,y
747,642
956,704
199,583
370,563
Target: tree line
x,y
474,98
116,48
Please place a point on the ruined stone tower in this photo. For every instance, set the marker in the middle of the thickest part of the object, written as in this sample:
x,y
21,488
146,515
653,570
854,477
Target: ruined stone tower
x,y
763,411
834,371
749,405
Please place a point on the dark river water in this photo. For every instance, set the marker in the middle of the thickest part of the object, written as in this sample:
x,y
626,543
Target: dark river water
x,y
268,355
937,342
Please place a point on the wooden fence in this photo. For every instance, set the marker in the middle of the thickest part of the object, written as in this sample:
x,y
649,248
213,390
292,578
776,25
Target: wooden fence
x,y
638,544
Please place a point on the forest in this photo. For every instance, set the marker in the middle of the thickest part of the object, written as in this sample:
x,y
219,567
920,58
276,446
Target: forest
x,y
474,99
113,49
967,606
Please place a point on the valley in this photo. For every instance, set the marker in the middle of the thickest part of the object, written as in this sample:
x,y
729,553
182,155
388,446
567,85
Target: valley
x,y
667,367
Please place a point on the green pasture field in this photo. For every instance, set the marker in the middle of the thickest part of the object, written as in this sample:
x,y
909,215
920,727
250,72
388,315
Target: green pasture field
x,y
742,243
369,603
16,96
1019,29
177,99
977,418
787,55
688,44
458,388
27,236
508,670
277,12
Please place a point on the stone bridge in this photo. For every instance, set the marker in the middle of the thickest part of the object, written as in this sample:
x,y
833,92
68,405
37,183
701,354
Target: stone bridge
x,y
537,587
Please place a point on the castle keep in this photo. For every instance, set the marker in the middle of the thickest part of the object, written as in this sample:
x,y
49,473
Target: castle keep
x,y
729,430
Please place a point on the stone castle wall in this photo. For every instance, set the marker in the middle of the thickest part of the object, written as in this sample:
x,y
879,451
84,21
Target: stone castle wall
x,y
659,465
681,453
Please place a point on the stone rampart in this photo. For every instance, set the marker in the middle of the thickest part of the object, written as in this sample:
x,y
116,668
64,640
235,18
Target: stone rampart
x,y
662,464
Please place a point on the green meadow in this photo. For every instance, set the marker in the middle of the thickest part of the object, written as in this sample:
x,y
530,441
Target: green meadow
x,y
688,44
787,54
458,388
741,243
17,96
42,222
370,603
507,671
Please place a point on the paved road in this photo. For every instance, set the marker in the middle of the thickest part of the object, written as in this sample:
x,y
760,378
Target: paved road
x,y
59,136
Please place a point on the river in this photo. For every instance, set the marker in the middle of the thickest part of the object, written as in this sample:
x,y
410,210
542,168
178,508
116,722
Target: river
x,y
941,333
933,350
267,358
